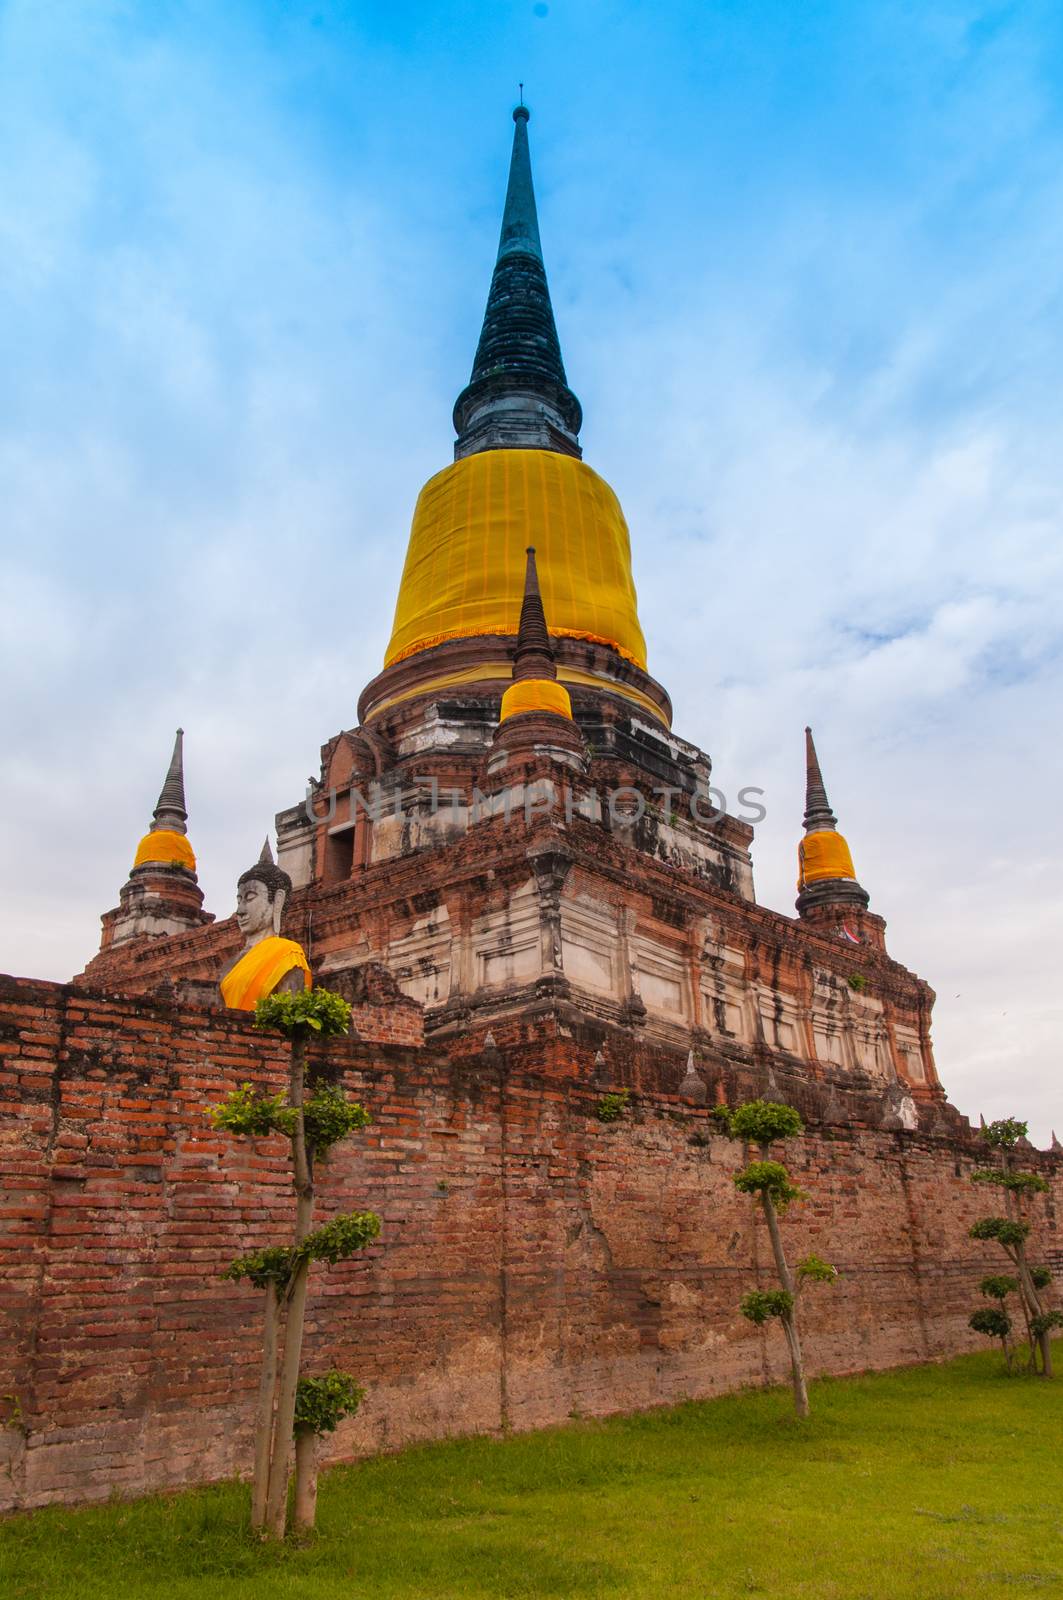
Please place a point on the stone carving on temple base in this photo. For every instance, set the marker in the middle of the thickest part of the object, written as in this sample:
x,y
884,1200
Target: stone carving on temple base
x,y
692,1086
901,1113
267,963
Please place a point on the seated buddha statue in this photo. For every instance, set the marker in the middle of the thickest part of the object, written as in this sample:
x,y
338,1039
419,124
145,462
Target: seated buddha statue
x,y
267,963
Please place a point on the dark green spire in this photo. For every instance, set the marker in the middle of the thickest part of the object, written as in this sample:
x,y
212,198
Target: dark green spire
x,y
818,814
520,220
171,811
534,654
518,396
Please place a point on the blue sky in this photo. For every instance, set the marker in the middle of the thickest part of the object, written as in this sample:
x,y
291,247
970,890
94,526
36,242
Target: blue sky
x,y
805,265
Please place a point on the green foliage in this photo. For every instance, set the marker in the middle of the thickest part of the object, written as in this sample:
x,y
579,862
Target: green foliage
x,y
768,1177
1005,1133
245,1112
340,1237
722,1115
329,1117
765,1121
994,1323
334,1241
1046,1322
1017,1182
857,981
1026,1183
1042,1277
321,1403
274,1264
760,1304
1002,1229
611,1107
314,1010
16,1418
813,1269
998,1286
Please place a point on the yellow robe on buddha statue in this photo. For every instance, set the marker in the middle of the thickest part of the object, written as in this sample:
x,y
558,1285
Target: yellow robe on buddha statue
x,y
258,973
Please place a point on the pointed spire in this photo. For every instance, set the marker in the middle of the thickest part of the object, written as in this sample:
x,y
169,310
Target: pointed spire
x,y
1055,1145
166,843
518,395
520,220
826,876
171,811
535,686
818,814
265,855
534,655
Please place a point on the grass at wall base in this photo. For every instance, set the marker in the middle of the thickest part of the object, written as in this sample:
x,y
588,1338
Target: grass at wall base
x,y
928,1482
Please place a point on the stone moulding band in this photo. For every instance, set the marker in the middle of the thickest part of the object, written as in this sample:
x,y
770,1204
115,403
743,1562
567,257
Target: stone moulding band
x,y
502,672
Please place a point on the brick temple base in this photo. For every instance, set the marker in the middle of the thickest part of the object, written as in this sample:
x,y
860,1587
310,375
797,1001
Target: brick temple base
x,y
534,1262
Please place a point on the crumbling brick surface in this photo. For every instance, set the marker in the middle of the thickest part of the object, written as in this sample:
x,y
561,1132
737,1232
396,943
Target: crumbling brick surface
x,y
533,1262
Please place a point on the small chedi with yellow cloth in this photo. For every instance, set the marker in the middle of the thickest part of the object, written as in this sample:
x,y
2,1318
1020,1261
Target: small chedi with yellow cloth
x,y
267,963
535,716
166,841
535,686
826,877
161,896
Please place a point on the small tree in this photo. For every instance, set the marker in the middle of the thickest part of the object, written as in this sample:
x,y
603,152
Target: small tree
x,y
320,1404
763,1122
1011,1232
313,1122
994,1321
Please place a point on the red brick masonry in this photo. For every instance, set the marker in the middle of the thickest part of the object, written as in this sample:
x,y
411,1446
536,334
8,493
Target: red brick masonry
x,y
534,1263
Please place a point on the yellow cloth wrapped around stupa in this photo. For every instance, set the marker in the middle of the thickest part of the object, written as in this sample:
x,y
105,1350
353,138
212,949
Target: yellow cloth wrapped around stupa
x,y
258,972
464,572
536,694
166,848
821,855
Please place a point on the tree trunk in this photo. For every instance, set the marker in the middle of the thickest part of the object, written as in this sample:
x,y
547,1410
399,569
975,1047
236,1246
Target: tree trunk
x,y
277,1504
1046,1354
267,1389
277,1500
305,1480
797,1369
1032,1307
789,1322
1035,1309
1031,1361
1031,1300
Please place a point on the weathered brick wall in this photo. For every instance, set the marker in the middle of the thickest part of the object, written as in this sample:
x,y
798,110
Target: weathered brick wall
x,y
534,1262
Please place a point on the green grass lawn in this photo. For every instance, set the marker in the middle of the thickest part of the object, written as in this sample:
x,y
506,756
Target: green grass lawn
x,y
930,1482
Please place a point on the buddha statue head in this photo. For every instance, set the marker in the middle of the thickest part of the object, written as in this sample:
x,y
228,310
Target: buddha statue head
x,y
261,893
267,964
